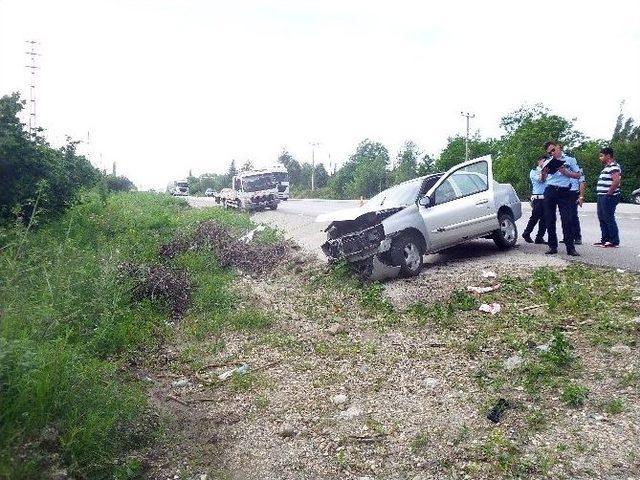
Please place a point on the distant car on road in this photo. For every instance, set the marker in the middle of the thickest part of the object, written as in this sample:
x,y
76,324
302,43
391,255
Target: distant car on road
x,y
391,233
210,192
635,196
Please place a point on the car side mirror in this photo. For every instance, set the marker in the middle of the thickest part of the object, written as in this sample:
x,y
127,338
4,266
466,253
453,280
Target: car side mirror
x,y
425,201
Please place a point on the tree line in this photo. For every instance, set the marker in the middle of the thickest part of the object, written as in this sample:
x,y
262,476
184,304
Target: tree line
x,y
371,168
37,178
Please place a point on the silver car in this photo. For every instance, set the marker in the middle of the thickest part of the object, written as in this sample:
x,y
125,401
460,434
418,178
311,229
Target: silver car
x,y
391,233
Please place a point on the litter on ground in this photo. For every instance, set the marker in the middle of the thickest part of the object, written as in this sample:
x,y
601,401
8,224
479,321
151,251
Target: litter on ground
x,y
492,308
483,289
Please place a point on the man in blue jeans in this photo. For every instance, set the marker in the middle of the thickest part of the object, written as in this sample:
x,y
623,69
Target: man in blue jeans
x,y
557,194
608,190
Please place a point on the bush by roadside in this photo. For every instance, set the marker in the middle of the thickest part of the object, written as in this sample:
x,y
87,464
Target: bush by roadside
x,y
71,326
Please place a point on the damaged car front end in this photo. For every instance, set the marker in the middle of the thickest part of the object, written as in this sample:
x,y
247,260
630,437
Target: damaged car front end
x,y
363,243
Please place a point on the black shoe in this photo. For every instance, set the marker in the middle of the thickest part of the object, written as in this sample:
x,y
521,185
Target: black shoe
x,y
577,241
527,238
573,253
540,241
551,251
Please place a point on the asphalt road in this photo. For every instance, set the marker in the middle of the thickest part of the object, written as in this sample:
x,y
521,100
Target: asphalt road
x,y
626,257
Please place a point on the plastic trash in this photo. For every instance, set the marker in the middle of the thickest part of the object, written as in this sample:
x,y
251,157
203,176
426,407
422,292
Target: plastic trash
x,y
492,308
483,289
241,370
248,237
489,274
498,410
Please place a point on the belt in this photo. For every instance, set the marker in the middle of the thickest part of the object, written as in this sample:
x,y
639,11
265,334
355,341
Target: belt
x,y
559,188
537,197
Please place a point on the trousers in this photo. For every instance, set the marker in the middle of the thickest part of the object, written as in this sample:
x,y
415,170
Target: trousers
x,y
607,217
537,217
560,198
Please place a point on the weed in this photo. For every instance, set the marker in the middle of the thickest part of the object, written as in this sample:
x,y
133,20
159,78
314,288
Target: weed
x,y
420,443
341,460
250,319
536,420
461,300
262,402
242,382
560,352
574,395
373,300
614,406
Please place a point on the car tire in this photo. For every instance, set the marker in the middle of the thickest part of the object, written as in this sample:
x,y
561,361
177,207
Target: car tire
x,y
636,199
507,235
407,251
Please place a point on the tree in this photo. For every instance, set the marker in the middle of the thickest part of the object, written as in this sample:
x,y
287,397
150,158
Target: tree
x,y
246,166
407,166
526,131
427,165
119,184
32,173
455,151
321,176
292,166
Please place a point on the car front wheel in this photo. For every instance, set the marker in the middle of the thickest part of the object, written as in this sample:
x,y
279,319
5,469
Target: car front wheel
x,y
407,251
636,198
507,235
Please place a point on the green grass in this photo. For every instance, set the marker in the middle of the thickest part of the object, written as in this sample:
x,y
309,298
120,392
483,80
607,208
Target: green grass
x,y
574,395
68,325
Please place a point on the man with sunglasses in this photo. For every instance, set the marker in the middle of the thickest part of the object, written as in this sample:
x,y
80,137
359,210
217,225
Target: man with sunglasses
x,y
557,194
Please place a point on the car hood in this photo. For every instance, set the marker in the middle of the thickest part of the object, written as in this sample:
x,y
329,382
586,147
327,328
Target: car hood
x,y
353,213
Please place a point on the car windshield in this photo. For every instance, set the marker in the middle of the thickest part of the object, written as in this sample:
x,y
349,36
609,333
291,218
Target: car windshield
x,y
281,177
403,194
257,182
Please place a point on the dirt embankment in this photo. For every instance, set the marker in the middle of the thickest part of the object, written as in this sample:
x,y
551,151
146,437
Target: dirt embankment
x,y
349,380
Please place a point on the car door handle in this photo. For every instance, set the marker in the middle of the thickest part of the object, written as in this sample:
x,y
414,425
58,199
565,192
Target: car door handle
x,y
483,201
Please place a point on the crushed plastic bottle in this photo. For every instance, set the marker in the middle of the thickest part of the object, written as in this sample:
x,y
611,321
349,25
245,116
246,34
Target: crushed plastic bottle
x,y
241,370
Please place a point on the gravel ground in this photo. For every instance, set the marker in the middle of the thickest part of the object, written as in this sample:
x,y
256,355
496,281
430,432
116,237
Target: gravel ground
x,y
343,387
336,392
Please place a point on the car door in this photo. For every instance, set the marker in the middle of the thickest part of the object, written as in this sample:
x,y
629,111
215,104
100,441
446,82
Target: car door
x,y
461,204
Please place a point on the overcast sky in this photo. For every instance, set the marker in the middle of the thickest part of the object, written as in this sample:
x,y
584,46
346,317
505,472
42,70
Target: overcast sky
x,y
164,86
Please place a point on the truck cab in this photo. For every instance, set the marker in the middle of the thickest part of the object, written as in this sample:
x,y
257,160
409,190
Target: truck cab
x,y
178,187
253,190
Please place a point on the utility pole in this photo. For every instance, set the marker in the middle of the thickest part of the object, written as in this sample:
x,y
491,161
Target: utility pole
x,y
313,163
32,88
466,142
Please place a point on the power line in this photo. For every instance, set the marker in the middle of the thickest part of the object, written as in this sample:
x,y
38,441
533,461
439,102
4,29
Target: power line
x,y
32,87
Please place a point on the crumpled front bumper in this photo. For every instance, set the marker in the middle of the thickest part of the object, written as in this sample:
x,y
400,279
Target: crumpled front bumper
x,y
366,250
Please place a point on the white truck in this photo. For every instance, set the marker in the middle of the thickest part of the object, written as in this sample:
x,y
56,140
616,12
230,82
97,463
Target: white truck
x,y
252,190
281,177
178,187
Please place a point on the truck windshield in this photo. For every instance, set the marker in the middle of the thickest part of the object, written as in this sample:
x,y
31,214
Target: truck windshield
x,y
182,184
257,182
281,177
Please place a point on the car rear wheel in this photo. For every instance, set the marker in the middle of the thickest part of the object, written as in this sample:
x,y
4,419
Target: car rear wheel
x,y
507,235
407,251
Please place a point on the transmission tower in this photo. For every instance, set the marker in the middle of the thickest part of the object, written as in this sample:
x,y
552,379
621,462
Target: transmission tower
x,y
32,87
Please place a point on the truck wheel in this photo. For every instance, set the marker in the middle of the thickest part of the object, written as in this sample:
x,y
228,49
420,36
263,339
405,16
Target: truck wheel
x,y
507,235
407,250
